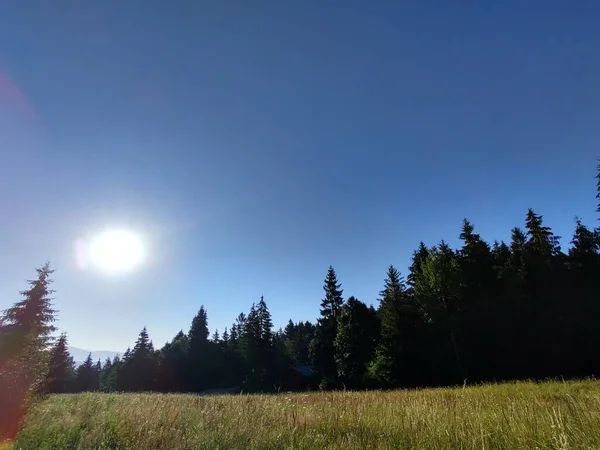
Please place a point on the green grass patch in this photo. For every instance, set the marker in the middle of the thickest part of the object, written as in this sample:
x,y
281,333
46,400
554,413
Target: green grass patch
x,y
561,415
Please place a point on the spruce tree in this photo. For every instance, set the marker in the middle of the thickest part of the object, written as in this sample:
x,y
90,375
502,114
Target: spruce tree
x,y
175,374
322,346
123,373
584,244
143,364
199,371
355,342
541,240
108,375
251,337
61,372
400,318
415,268
198,333
266,324
598,187
225,337
87,376
25,334
438,295
476,332
332,303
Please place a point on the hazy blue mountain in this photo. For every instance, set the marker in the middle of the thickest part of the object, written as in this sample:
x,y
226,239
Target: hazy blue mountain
x,y
79,354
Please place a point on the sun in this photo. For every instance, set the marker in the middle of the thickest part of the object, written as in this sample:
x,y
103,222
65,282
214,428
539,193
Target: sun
x,y
116,251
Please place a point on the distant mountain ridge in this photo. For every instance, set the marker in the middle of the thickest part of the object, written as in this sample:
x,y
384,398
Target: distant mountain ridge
x,y
79,355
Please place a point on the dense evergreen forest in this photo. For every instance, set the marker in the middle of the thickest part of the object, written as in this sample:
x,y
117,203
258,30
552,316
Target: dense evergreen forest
x,y
482,312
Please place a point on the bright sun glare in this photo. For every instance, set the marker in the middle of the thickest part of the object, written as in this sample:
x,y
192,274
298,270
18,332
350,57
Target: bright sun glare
x,y
116,251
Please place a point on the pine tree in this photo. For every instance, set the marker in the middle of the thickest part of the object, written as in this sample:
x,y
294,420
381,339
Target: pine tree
x,y
61,371
199,357
123,372
174,373
322,346
400,319
250,337
598,187
417,260
225,337
541,240
355,342
584,244
437,293
332,303
265,323
475,322
142,364
257,348
87,377
198,333
25,334
108,375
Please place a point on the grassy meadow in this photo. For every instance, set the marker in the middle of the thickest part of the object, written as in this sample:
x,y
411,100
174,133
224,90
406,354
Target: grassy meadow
x,y
558,415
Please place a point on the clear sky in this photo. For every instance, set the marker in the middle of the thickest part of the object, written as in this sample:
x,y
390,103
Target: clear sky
x,y
254,143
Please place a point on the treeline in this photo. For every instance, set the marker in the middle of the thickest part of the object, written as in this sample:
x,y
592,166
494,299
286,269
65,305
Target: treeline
x,y
481,312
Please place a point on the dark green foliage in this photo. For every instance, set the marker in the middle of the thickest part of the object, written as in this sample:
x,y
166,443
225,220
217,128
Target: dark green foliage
x,y
173,364
322,349
108,375
199,372
199,330
88,376
297,338
355,342
480,312
142,364
257,348
598,187
25,334
61,370
400,323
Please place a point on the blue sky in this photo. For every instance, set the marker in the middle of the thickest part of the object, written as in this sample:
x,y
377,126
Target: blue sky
x,y
252,144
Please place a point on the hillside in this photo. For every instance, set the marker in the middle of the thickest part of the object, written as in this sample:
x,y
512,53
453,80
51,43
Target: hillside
x,y
506,416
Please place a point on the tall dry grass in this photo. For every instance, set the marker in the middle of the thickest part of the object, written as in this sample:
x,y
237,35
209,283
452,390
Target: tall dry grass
x,y
506,416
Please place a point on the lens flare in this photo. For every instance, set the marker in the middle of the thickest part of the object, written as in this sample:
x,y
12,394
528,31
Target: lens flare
x,y
116,251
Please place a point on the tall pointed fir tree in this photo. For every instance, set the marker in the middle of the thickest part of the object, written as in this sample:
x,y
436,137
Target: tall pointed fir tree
x,y
542,241
415,268
396,360
322,347
437,292
87,378
25,333
250,349
258,348
108,375
355,342
175,364
598,187
477,330
199,358
142,364
61,372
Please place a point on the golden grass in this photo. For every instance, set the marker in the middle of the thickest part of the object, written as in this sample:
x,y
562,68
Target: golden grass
x,y
506,416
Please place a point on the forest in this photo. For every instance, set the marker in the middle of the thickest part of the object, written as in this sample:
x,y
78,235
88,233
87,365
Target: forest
x,y
523,309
